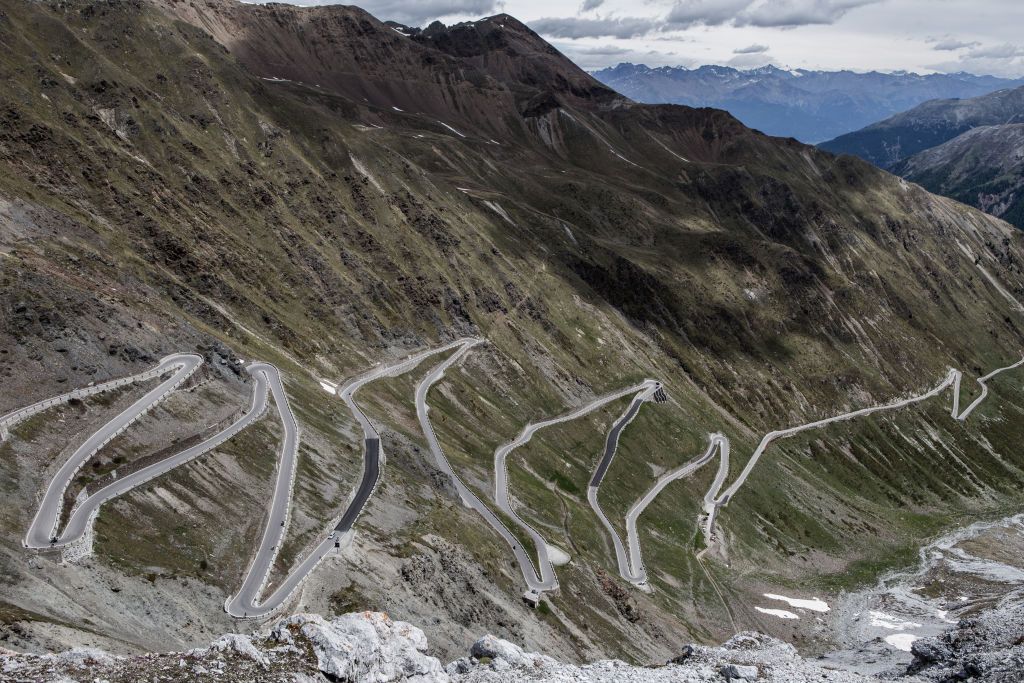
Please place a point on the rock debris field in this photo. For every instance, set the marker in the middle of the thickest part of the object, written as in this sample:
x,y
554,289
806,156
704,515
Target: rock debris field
x,y
370,646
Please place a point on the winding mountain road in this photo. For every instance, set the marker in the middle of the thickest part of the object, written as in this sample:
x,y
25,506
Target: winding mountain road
x,y
43,531
715,499
245,604
165,365
535,584
373,459
536,581
84,513
245,601
634,574
548,581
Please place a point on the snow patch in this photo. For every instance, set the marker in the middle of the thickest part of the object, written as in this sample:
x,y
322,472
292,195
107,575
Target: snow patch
x,y
612,150
361,167
568,233
901,641
557,556
780,613
883,620
496,208
814,604
451,129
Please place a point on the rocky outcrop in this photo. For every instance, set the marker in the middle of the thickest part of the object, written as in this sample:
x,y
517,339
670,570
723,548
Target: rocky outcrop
x,y
364,647
369,646
986,647
746,657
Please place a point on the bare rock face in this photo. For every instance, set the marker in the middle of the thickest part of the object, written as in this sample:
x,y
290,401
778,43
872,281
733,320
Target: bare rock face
x,y
366,646
989,646
745,657
369,646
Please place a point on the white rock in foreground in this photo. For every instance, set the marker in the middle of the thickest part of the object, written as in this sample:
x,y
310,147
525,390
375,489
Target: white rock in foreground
x,y
368,646
371,648
745,657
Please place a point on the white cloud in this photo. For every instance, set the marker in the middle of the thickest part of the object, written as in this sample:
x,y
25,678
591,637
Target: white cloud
x,y
601,27
685,14
790,13
590,5
708,12
1004,51
948,44
754,49
419,12
750,61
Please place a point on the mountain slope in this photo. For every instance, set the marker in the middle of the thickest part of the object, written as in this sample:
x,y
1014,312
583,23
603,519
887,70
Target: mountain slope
x,y
313,188
888,142
808,105
983,167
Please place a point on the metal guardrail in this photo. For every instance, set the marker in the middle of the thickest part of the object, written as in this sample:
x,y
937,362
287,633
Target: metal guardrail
x,y
10,419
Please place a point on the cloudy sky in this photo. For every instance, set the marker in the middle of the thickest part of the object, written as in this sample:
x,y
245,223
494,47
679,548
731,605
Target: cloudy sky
x,y
981,36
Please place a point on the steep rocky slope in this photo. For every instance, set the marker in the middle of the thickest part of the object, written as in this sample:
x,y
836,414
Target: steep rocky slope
x,y
370,646
983,167
317,189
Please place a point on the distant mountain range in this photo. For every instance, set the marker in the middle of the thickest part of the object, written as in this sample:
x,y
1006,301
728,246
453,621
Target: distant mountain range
x,y
810,106
971,150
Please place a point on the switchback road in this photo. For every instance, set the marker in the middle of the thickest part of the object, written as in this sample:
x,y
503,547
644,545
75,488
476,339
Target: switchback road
x,y
534,583
84,514
246,603
715,499
635,574
43,531
548,581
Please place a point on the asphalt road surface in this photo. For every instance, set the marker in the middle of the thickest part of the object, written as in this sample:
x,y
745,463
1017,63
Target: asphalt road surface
x,y
631,574
84,513
501,496
469,499
43,531
611,444
716,499
245,602
371,473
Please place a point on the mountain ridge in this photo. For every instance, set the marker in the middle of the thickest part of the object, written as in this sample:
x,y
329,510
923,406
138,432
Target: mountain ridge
x,y
969,150
888,142
810,105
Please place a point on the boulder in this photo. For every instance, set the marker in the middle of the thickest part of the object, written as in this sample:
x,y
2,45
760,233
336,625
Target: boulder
x,y
367,646
738,672
504,654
